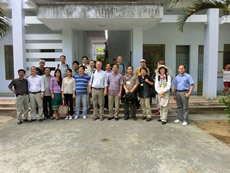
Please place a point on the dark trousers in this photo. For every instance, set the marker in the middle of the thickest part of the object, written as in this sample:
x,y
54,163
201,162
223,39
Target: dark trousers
x,y
69,102
106,105
130,109
47,104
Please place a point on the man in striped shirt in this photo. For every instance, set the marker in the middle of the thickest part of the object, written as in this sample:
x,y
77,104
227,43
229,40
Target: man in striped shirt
x,y
82,80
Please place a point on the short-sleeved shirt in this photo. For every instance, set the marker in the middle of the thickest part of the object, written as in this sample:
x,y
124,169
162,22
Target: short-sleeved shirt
x,y
183,82
226,76
40,72
81,83
20,86
47,85
114,82
121,69
63,68
130,82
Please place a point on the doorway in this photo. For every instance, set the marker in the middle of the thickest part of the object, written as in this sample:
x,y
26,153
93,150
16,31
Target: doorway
x,y
153,53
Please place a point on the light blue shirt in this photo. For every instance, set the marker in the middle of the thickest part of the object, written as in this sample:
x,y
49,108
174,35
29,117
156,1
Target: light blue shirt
x,y
183,82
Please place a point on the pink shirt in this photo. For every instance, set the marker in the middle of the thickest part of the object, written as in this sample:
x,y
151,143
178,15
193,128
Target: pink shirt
x,y
54,85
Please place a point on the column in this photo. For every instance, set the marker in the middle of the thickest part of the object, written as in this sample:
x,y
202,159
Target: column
x,y
67,45
137,47
18,31
211,41
193,61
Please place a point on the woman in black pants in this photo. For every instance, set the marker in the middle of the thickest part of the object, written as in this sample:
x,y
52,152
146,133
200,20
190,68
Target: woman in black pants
x,y
68,92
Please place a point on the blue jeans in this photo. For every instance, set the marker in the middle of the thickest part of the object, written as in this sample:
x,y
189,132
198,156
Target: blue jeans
x,y
81,98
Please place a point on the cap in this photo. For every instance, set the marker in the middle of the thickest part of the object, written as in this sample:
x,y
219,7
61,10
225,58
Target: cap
x,y
142,60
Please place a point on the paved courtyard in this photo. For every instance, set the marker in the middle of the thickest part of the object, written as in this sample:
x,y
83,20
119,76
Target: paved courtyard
x,y
84,146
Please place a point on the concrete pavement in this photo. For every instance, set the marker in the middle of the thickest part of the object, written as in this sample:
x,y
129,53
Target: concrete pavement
x,y
84,146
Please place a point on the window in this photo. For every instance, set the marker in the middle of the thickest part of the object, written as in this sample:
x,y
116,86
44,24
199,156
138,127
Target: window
x,y
182,57
226,55
9,62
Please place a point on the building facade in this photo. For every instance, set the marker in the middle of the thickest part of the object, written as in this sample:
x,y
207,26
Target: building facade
x,y
46,29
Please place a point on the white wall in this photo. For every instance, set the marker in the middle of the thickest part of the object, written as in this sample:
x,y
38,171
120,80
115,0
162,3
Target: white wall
x,y
4,83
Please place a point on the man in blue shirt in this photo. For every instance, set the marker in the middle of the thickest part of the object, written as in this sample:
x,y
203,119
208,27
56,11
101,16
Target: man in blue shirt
x,y
82,81
184,86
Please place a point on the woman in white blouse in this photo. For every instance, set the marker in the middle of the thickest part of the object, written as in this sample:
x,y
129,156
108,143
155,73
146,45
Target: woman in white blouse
x,y
162,87
68,91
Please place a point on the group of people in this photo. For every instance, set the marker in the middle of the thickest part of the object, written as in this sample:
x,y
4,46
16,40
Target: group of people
x,y
76,87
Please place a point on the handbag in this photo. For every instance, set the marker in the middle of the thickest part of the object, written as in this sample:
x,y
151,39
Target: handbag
x,y
63,110
130,97
164,101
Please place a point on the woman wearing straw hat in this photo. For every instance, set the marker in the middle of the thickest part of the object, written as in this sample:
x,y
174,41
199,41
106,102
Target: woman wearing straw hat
x,y
162,87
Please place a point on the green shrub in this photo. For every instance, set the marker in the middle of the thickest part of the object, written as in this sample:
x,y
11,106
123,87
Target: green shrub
x,y
226,102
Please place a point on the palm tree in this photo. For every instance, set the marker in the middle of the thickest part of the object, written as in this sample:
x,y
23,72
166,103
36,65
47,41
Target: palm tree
x,y
199,5
4,24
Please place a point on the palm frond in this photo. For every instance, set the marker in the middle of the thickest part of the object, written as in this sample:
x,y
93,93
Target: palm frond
x,y
4,24
200,5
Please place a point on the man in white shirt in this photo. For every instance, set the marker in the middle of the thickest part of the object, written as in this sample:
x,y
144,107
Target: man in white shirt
x,y
98,87
90,73
63,66
36,90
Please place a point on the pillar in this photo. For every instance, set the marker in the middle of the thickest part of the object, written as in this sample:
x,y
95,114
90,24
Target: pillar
x,y
211,41
137,47
18,30
67,45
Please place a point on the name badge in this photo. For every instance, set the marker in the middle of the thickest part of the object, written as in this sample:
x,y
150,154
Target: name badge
x,y
128,82
142,84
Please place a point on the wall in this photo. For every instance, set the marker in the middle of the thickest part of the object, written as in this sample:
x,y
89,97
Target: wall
x,y
193,35
4,83
119,44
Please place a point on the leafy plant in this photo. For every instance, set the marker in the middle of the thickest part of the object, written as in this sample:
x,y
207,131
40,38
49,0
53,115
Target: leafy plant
x,y
199,5
4,24
226,102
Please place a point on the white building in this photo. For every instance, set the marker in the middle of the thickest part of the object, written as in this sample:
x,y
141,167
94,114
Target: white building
x,y
46,29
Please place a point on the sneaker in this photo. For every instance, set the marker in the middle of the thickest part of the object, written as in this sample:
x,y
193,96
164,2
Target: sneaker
x,y
76,117
19,122
84,117
67,117
70,117
184,123
177,121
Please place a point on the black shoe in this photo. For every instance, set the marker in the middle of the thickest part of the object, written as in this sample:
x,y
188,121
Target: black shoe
x,y
148,119
32,120
19,122
163,122
126,118
25,120
134,118
159,120
116,119
40,120
144,118
110,118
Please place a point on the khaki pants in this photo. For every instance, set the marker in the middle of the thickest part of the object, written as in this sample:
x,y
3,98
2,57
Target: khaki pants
x,y
113,99
146,108
163,110
35,101
88,98
98,98
22,102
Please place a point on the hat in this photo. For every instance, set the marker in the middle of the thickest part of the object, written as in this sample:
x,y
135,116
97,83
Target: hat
x,y
142,60
43,61
163,66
